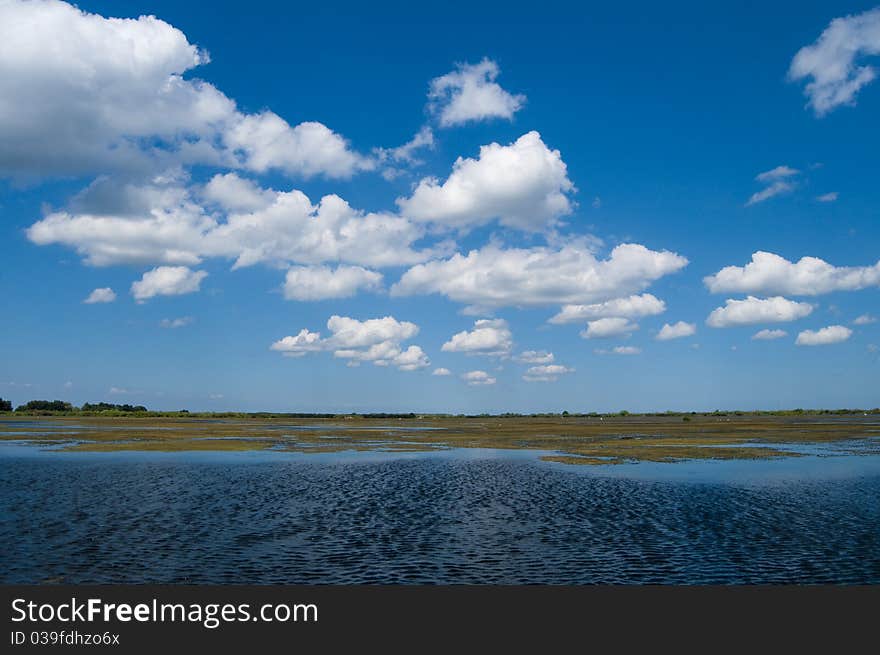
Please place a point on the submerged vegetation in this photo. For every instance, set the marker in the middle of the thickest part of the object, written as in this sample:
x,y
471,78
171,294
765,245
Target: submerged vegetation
x,y
572,439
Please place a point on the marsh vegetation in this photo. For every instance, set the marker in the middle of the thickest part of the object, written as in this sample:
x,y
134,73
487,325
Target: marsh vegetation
x,y
569,439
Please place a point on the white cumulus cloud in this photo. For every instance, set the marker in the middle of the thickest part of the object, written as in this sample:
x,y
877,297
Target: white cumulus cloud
x,y
603,328
676,331
470,93
833,63
161,222
322,282
824,336
94,94
635,306
769,273
475,378
376,340
535,357
102,295
493,277
546,373
297,346
167,281
619,350
754,310
523,185
441,372
865,319
769,335
489,337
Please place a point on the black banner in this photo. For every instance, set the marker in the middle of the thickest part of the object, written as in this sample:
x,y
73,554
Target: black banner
x,y
147,618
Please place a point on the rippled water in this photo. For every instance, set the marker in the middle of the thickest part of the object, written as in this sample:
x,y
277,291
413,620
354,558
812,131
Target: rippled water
x,y
472,518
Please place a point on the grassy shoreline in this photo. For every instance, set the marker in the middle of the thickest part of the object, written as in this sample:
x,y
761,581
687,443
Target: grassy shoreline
x,y
573,439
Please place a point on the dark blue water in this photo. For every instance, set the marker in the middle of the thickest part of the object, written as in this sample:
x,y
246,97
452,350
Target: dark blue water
x,y
476,518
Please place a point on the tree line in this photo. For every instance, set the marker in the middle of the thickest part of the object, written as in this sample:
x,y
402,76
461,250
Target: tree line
x,y
60,406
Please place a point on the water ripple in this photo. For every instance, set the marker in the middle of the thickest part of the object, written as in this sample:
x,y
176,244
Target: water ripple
x,y
423,521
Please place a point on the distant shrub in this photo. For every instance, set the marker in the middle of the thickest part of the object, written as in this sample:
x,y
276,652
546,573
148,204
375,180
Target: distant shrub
x,y
45,406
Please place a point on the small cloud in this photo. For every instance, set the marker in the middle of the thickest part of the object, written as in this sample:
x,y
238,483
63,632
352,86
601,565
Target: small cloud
x,y
118,391
535,357
873,348
604,328
768,335
470,93
102,295
441,371
68,385
865,319
778,173
824,336
546,373
777,181
828,197
475,378
676,331
216,396
167,281
172,323
619,350
597,202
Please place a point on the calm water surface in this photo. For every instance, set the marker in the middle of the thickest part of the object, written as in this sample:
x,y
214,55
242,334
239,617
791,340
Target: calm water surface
x,y
453,517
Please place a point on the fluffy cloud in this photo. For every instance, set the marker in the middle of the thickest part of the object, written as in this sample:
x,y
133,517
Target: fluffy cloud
x,y
411,359
304,342
546,373
758,310
768,273
265,141
376,340
828,197
322,282
441,372
769,335
535,357
777,181
831,63
104,294
619,350
493,277
94,94
475,378
489,337
676,331
824,336
162,223
174,323
424,138
522,185
604,328
470,93
352,333
629,307
236,194
864,319
167,281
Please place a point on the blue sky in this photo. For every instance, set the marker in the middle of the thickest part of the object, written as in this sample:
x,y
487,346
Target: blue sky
x,y
605,153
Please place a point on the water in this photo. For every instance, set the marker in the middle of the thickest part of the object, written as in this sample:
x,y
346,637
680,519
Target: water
x,y
472,516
